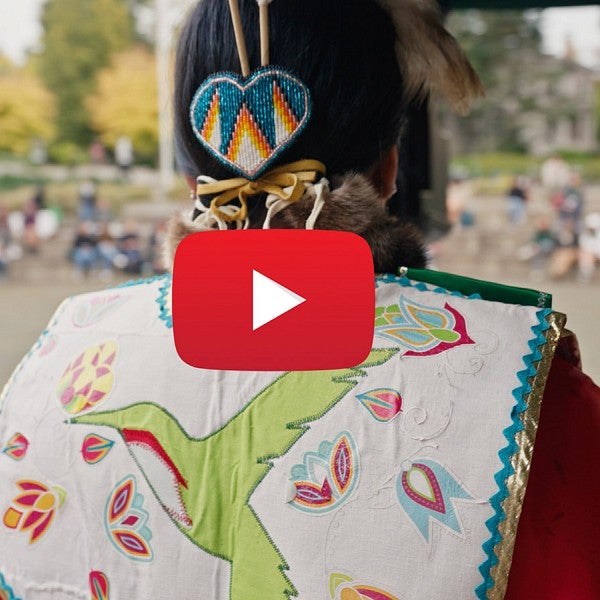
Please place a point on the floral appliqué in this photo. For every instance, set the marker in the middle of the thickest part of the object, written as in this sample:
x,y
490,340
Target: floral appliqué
x,y
99,586
426,491
424,330
91,310
16,447
125,521
95,448
343,587
328,477
34,509
383,404
88,380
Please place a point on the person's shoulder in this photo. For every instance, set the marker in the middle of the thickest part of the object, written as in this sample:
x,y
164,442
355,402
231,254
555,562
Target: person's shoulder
x,y
131,305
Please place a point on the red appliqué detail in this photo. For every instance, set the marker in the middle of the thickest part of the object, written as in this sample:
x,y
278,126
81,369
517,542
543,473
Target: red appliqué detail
x,y
145,438
130,521
26,500
16,447
308,493
133,542
121,500
30,485
371,594
460,327
40,529
342,465
437,504
99,586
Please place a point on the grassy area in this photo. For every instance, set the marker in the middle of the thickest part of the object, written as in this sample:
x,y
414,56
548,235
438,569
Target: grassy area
x,y
13,182
64,195
492,173
504,165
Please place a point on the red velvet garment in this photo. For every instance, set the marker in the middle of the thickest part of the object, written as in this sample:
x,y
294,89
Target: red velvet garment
x,y
557,554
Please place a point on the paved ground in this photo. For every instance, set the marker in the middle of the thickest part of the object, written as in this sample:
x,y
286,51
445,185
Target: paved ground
x,y
488,251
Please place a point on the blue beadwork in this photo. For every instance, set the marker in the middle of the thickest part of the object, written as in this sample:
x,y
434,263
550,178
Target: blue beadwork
x,y
224,102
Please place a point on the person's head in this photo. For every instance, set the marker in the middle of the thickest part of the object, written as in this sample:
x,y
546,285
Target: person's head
x,y
344,51
362,66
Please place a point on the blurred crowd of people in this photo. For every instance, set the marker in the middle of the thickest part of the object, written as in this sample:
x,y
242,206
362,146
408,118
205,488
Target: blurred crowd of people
x,y
100,242
565,237
22,231
105,244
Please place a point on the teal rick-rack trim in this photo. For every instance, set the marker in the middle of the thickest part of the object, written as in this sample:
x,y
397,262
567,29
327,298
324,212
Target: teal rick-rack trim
x,y
509,450
405,281
4,587
505,454
163,299
142,281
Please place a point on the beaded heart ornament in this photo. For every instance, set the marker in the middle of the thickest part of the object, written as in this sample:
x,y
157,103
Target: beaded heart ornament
x,y
247,121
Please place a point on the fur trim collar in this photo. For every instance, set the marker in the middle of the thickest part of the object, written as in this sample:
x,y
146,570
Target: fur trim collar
x,y
353,205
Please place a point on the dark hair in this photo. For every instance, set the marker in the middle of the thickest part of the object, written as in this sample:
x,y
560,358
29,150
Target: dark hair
x,y
343,50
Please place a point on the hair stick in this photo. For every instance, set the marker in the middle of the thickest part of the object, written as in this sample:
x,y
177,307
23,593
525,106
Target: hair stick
x,y
264,32
239,37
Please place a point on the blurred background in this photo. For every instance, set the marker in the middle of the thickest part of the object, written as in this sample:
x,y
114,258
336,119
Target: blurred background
x,y
510,193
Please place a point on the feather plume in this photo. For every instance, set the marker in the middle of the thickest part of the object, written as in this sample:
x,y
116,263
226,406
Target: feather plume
x,y
430,58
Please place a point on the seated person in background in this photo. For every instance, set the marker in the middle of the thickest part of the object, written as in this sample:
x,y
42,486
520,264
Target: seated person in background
x,y
84,252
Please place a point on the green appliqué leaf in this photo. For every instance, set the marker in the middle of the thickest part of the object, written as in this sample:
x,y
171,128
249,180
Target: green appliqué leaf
x,y
445,335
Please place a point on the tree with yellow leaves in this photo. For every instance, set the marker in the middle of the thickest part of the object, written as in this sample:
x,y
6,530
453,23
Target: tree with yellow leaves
x,y
79,39
26,109
125,102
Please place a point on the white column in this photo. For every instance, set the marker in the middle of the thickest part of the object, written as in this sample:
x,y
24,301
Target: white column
x,y
164,34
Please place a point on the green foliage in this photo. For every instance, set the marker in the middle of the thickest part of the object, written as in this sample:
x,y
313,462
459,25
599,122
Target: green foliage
x,y
14,182
26,110
125,102
505,48
79,39
67,153
494,38
63,195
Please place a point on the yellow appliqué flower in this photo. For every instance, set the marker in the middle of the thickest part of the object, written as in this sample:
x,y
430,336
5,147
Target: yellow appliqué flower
x,y
34,509
88,379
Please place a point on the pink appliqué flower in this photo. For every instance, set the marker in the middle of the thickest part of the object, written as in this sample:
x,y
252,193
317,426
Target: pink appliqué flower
x,y
95,447
34,509
383,404
16,447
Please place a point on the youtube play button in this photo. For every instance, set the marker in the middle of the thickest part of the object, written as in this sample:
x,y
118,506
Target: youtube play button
x,y
273,300
270,300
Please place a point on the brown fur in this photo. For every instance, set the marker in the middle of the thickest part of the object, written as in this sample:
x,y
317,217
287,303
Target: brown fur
x,y
353,206
178,229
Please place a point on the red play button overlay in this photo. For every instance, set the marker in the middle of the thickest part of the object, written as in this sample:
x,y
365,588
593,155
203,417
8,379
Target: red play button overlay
x,y
273,300
270,300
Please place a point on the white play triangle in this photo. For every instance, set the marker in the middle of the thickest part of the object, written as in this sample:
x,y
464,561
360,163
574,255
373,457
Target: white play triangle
x,y
270,300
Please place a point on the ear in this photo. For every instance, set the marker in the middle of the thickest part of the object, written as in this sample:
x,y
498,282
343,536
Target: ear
x,y
191,181
383,174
